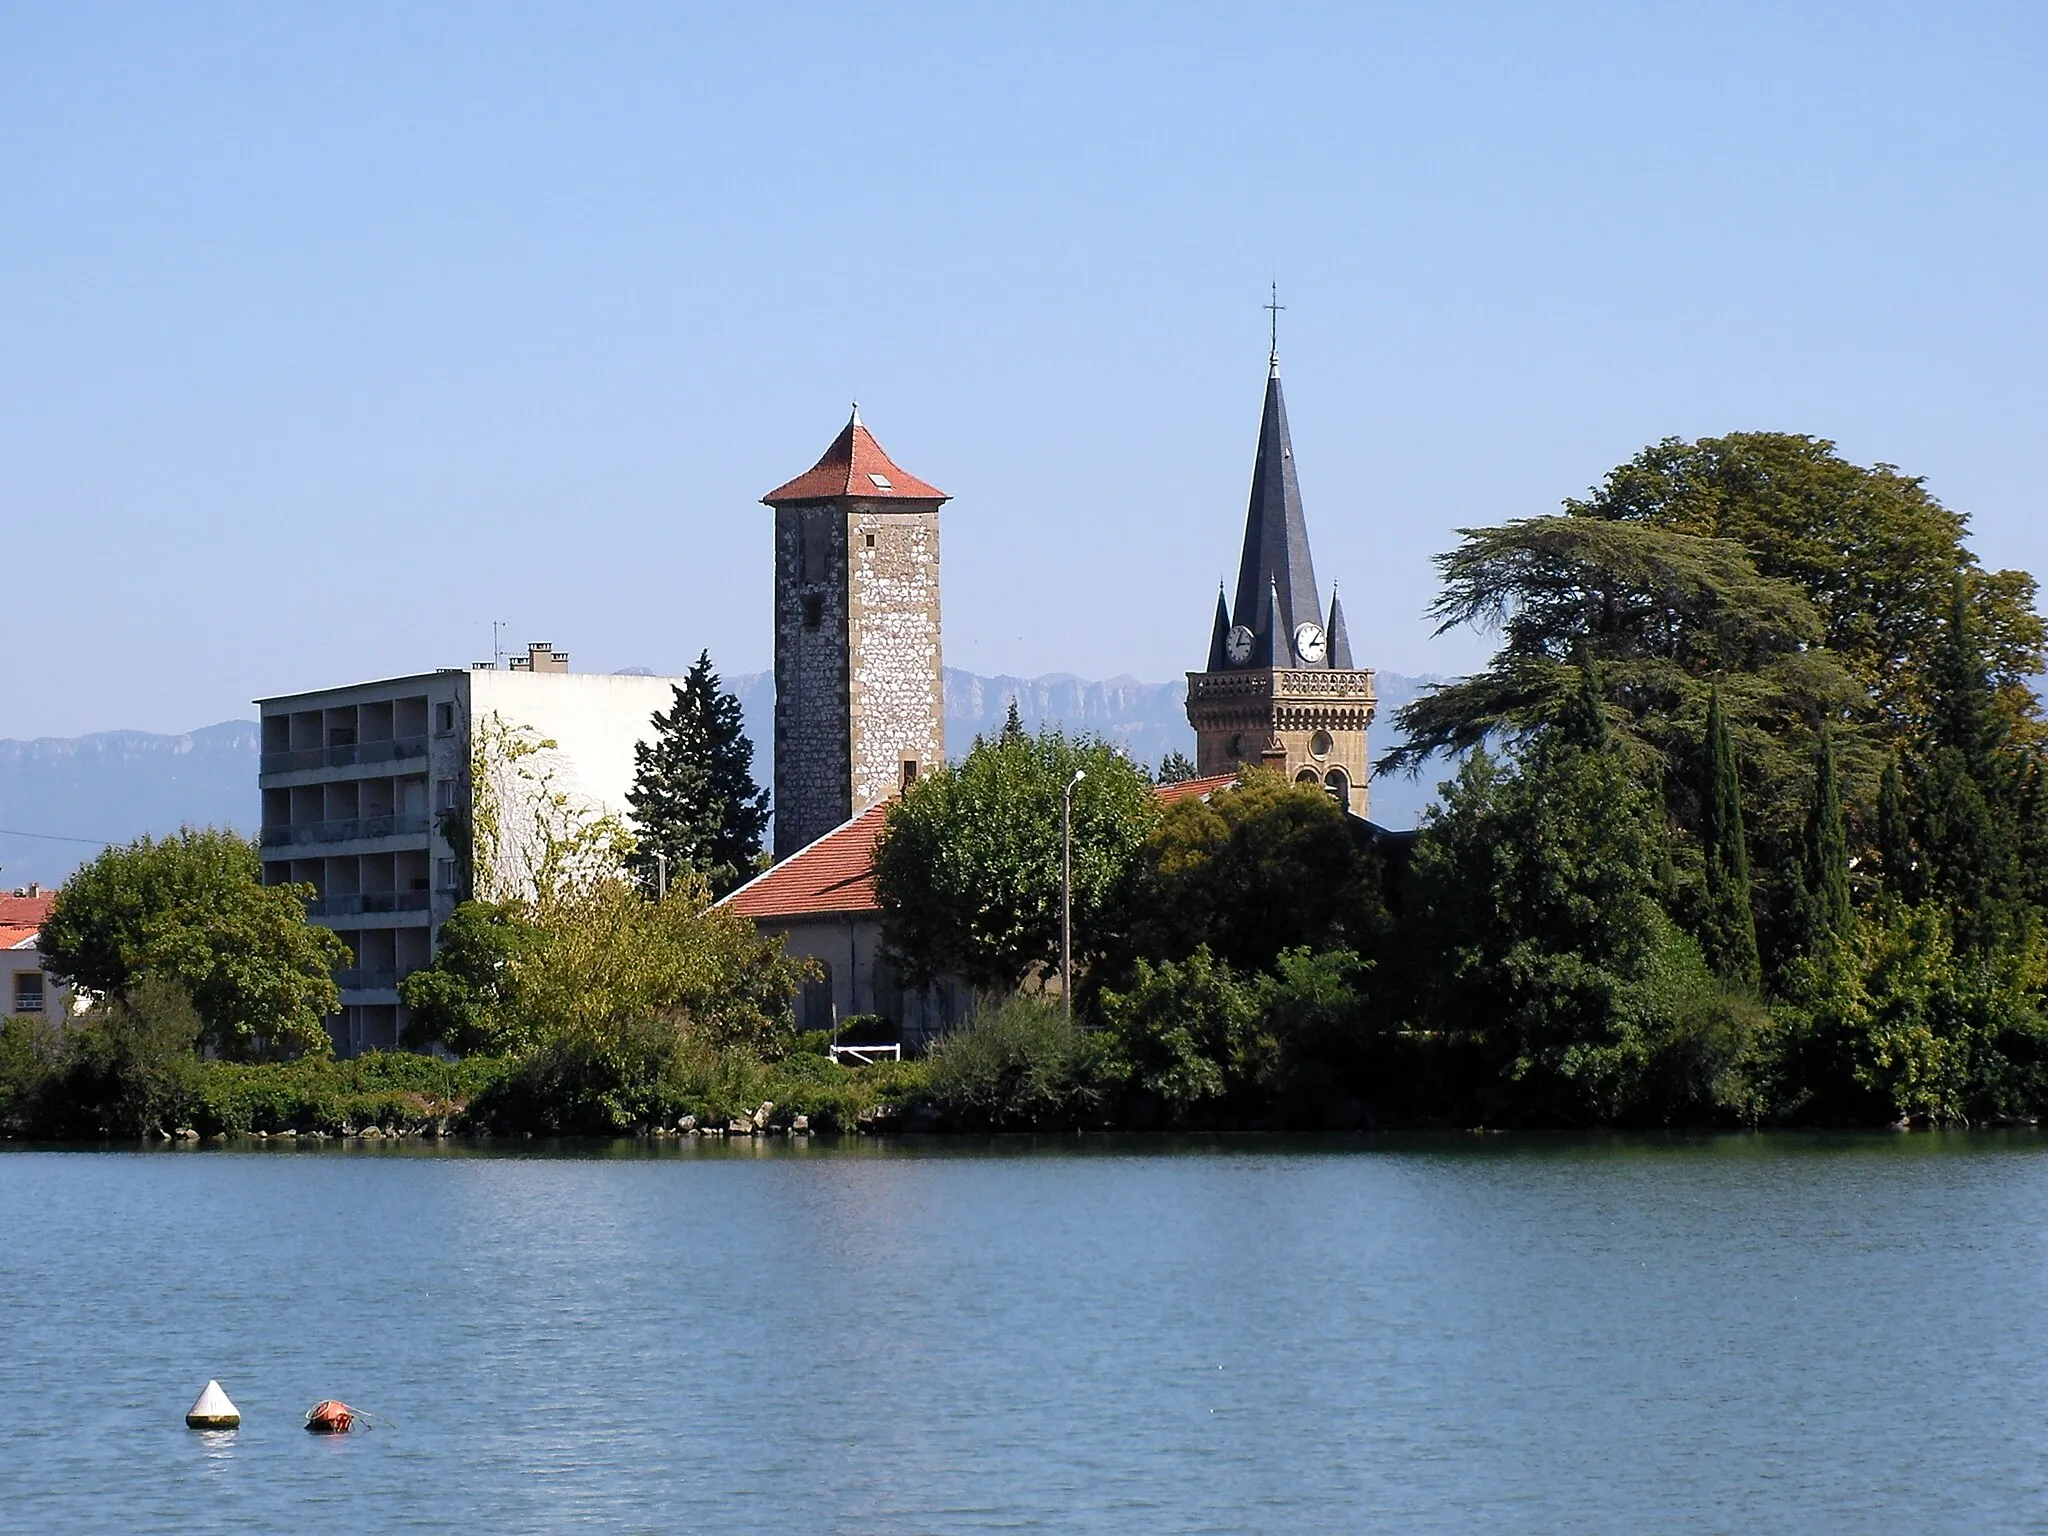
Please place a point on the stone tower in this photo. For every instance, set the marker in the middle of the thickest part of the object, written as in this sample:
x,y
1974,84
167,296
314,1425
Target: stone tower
x,y
859,692
1280,688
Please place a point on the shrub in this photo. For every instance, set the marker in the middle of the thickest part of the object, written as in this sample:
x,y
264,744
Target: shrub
x,y
1021,1063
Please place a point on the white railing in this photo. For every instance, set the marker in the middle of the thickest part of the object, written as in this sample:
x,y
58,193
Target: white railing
x,y
866,1055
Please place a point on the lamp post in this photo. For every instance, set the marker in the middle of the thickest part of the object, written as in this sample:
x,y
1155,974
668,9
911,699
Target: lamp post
x,y
660,876
1067,892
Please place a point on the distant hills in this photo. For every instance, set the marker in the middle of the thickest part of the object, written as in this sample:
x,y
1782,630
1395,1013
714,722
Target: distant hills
x,y
117,785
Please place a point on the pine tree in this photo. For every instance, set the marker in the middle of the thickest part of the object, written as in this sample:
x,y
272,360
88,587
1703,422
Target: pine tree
x,y
1824,913
1175,768
1013,723
1728,928
694,798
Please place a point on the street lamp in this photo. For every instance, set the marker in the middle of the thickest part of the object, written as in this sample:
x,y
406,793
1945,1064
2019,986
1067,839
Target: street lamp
x,y
661,877
1067,892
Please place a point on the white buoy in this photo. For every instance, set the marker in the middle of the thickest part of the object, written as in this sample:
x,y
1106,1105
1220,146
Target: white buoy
x,y
213,1410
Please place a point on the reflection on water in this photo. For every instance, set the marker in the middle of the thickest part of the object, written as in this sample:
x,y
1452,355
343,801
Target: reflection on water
x,y
1096,1334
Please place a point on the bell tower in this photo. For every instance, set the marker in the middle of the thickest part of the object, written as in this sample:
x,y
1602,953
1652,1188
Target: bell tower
x,y
1280,688
859,685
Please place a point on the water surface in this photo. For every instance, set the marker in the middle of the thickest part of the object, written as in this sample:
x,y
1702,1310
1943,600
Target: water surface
x,y
1521,1334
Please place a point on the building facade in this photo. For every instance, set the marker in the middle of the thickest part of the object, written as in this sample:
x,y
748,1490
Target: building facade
x,y
368,796
859,678
1280,688
25,986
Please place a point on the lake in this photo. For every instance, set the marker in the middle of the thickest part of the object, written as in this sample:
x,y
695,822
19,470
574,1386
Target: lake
x,y
1735,1333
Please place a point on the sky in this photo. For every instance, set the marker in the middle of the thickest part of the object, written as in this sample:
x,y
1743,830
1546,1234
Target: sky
x,y
331,336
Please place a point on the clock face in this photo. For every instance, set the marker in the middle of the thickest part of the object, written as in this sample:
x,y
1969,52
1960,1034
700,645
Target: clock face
x,y
1238,645
1308,642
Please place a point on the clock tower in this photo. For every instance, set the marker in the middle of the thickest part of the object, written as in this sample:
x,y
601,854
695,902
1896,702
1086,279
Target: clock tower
x,y
1280,688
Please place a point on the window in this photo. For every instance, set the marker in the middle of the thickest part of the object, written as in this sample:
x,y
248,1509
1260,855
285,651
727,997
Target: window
x,y
1339,786
1308,776
882,482
909,773
444,874
444,794
28,992
870,540
444,719
814,610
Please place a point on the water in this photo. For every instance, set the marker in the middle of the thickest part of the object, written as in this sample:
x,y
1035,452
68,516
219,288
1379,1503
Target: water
x,y
1709,1334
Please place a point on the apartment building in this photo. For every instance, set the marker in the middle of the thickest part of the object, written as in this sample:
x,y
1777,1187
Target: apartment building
x,y
366,791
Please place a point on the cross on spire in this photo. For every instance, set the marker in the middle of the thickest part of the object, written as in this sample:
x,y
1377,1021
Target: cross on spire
x,y
1273,308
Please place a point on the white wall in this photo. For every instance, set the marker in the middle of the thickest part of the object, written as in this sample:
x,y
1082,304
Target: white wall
x,y
56,1001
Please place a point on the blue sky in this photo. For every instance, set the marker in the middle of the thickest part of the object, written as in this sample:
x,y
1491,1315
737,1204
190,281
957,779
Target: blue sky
x,y
330,335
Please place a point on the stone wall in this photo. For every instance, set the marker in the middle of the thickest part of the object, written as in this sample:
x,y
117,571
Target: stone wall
x,y
813,772
897,693
1318,719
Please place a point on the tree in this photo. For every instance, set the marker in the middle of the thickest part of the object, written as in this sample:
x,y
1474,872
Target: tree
x,y
1728,925
1897,860
1258,867
1175,768
191,908
467,999
694,798
1824,914
967,869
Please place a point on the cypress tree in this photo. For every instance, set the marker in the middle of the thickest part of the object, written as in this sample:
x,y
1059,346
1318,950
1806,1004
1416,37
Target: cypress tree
x,y
1728,929
1969,792
1825,914
1895,836
693,797
1582,721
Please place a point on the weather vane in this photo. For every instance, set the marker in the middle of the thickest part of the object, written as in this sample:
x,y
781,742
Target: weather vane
x,y
1273,308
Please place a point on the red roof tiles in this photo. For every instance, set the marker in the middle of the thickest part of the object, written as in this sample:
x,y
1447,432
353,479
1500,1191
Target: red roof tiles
x,y
855,466
21,917
836,874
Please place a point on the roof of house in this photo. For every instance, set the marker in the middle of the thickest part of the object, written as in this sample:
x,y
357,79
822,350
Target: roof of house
x,y
855,465
836,874
21,917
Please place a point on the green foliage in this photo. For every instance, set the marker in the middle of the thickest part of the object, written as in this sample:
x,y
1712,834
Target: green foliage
x,y
529,839
1537,930
1186,1033
1727,930
1175,768
1019,1064
1898,860
191,908
1823,915
694,798
1258,868
968,866
466,999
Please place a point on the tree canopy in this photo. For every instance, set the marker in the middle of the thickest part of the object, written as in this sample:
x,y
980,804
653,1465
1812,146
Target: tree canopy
x,y
968,866
192,909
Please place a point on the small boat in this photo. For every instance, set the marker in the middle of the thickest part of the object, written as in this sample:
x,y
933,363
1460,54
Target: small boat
x,y
330,1416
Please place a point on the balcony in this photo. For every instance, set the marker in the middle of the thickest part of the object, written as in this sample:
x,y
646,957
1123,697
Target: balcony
x,y
369,902
348,829
344,756
366,980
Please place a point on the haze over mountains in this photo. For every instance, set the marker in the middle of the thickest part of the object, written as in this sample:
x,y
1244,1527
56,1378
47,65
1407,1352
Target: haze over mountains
x,y
78,793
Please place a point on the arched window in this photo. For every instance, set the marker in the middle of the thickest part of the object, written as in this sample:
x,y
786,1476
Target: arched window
x,y
1339,786
1308,776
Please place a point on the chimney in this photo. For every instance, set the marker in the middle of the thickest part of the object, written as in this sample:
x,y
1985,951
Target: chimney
x,y
541,656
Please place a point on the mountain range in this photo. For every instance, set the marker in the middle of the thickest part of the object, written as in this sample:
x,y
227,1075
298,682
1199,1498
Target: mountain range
x,y
62,798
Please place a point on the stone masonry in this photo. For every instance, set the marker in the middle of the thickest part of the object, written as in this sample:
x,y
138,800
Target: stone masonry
x,y
859,679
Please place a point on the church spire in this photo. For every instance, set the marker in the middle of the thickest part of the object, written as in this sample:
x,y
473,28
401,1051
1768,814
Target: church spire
x,y
1338,641
1276,581
1219,634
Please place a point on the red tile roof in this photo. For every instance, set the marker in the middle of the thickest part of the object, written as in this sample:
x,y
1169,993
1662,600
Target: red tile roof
x,y
21,917
855,466
836,874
